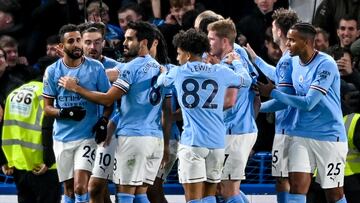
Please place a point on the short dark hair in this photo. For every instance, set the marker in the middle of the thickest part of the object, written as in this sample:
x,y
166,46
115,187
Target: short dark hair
x,y
284,19
144,30
348,17
67,28
131,6
306,30
192,41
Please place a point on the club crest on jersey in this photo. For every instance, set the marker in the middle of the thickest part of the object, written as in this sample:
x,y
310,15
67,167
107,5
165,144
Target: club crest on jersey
x,y
324,74
301,78
125,74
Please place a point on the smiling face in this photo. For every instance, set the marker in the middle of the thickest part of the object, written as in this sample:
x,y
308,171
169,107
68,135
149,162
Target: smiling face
x,y
72,46
347,32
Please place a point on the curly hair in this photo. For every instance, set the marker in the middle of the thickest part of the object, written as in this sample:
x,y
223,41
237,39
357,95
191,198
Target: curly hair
x,y
192,41
284,19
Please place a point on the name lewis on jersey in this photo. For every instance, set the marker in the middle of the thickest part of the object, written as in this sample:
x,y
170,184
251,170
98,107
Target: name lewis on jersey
x,y
200,67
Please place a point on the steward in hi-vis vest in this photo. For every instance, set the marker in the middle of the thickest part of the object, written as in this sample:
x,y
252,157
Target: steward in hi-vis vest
x,y
27,145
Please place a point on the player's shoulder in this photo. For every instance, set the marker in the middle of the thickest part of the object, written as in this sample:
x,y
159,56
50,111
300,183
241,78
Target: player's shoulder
x,y
92,62
326,60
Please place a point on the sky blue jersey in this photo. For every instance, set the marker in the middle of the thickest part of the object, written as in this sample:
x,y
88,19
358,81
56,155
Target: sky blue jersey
x,y
175,132
240,118
91,75
317,101
109,62
281,75
201,89
141,105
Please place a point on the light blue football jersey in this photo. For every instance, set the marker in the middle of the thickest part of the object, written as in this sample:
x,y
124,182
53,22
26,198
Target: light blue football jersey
x,y
240,119
91,75
282,77
324,120
201,89
175,132
141,105
109,62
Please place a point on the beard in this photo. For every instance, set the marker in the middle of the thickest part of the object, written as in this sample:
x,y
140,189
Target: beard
x,y
132,52
72,53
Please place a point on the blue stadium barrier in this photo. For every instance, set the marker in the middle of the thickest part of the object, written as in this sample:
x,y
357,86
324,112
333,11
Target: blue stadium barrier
x,y
258,179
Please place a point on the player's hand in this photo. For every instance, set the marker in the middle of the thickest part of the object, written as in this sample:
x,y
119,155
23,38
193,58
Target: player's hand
x,y
100,130
7,170
59,51
112,74
251,52
230,57
76,113
163,69
69,83
212,59
265,89
166,157
40,169
257,100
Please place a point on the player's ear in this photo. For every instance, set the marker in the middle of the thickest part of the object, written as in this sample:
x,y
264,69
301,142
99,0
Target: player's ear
x,y
188,56
143,43
61,46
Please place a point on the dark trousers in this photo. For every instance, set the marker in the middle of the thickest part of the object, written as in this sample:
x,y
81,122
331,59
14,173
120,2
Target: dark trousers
x,y
351,190
37,189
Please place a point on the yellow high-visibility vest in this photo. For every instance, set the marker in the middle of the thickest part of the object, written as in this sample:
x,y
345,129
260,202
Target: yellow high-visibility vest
x,y
352,165
22,138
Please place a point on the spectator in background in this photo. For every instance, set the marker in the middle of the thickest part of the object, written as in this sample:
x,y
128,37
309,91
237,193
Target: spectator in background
x,y
46,20
99,12
52,43
17,66
173,23
343,60
273,51
130,12
347,32
321,39
254,26
329,13
355,51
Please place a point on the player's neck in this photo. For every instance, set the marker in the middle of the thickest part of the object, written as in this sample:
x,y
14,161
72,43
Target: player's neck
x,y
282,45
194,58
226,51
72,63
308,56
143,52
